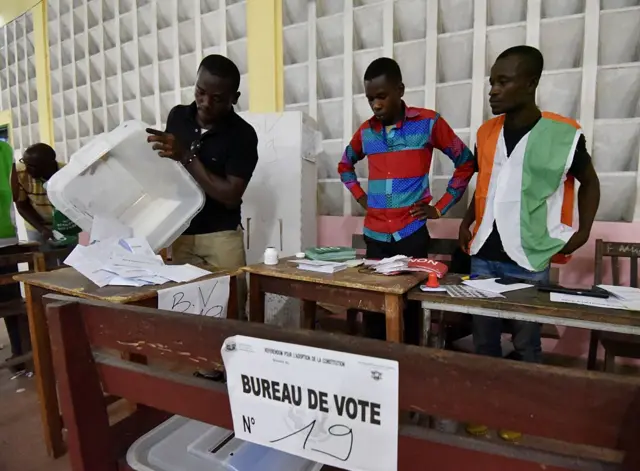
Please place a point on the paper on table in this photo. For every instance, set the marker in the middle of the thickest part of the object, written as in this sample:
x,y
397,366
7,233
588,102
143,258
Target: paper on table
x,y
493,287
627,295
611,302
204,298
105,227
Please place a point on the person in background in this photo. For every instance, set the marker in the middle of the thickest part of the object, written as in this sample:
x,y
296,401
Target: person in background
x,y
220,150
37,166
399,141
8,241
523,203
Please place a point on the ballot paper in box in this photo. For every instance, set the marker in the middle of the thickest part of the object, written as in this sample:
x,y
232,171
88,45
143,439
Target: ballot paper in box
x,y
116,258
402,263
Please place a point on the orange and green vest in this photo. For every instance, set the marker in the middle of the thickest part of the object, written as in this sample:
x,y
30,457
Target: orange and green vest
x,y
528,194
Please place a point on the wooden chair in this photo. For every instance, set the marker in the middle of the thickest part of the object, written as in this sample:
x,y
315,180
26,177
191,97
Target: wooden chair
x,y
615,345
593,424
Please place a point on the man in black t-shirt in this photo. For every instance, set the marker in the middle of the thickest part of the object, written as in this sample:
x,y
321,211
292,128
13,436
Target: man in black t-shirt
x,y
523,205
220,151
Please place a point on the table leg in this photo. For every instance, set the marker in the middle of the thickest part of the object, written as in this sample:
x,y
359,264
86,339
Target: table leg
x,y
44,374
256,299
309,315
394,307
426,327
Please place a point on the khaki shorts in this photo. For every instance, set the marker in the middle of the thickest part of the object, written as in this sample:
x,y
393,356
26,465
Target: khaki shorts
x,y
223,249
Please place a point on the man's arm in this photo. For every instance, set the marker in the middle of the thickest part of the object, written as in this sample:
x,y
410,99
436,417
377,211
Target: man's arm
x,y
24,207
228,190
464,233
346,168
588,197
443,138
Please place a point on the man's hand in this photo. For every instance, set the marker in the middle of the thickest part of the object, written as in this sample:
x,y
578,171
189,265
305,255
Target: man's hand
x,y
424,211
464,237
576,241
167,145
362,201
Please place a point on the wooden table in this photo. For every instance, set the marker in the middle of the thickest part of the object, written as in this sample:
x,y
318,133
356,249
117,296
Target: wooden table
x,y
69,282
528,305
351,288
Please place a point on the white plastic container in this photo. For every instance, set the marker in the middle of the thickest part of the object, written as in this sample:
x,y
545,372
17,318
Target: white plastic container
x,y
119,175
181,444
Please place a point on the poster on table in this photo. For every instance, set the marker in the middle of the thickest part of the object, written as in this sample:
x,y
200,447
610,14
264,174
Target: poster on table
x,y
331,407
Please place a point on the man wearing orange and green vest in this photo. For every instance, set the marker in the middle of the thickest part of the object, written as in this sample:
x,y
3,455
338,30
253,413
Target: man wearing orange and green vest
x,y
523,211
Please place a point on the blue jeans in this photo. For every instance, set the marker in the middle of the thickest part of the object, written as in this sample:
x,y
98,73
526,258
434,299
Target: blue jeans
x,y
488,330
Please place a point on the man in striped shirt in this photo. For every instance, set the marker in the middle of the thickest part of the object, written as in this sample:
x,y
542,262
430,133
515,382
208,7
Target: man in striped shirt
x,y
399,141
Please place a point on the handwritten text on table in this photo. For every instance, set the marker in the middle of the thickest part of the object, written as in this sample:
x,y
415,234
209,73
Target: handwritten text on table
x,y
204,298
331,407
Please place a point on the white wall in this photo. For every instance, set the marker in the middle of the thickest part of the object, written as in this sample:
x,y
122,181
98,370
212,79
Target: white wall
x,y
445,49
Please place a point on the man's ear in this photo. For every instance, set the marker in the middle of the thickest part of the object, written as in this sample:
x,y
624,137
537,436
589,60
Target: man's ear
x,y
236,97
533,84
401,89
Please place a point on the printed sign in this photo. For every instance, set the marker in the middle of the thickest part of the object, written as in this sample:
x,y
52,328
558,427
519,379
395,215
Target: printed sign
x,y
330,407
204,298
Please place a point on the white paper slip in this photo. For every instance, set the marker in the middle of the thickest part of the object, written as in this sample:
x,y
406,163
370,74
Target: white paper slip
x,y
331,407
208,298
627,295
611,302
491,285
180,273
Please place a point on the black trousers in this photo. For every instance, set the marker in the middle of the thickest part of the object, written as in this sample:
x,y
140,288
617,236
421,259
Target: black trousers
x,y
416,246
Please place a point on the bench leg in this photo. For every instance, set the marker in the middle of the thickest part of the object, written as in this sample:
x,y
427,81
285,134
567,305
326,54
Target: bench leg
x,y
594,340
45,377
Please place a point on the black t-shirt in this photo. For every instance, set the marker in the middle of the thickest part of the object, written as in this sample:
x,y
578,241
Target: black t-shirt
x,y
492,248
231,149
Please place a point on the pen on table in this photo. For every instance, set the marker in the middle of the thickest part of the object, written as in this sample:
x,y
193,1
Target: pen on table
x,y
469,277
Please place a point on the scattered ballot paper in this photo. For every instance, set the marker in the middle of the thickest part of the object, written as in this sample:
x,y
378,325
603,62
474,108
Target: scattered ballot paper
x,y
493,287
127,262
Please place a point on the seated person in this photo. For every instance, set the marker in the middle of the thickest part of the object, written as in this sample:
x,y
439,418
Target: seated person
x,y
36,167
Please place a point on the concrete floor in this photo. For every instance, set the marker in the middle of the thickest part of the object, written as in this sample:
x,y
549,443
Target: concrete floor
x,y
21,445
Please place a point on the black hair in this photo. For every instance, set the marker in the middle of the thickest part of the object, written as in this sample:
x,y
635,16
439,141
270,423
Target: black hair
x,y
222,67
41,149
384,66
531,59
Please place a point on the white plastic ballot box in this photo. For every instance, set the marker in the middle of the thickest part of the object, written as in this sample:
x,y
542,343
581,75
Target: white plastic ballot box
x,y
119,175
181,444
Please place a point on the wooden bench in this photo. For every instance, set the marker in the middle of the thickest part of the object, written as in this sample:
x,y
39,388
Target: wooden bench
x,y
590,420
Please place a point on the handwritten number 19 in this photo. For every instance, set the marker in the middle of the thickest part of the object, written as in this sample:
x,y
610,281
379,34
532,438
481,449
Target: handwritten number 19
x,y
335,431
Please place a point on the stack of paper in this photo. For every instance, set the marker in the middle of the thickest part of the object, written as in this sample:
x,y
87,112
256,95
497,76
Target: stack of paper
x,y
320,266
125,261
402,263
391,265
